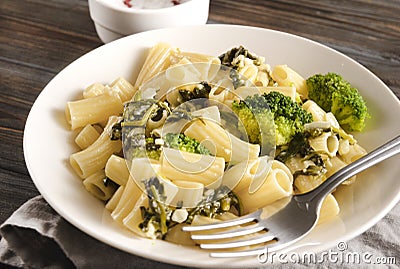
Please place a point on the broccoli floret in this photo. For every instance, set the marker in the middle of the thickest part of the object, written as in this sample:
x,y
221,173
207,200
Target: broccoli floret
x,y
254,114
333,94
289,116
185,143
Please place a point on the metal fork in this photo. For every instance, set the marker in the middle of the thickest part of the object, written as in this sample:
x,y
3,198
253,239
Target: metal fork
x,y
297,217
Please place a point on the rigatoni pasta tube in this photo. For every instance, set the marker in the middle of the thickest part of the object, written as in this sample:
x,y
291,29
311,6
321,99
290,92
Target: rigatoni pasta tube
x,y
335,164
157,60
189,193
129,197
208,66
94,90
285,76
220,142
179,165
124,89
316,111
94,158
329,208
97,186
87,136
277,185
117,170
305,183
134,217
355,152
247,173
325,143
93,110
113,202
183,72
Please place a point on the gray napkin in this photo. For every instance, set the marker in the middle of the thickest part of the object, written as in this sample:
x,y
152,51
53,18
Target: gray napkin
x,y
35,236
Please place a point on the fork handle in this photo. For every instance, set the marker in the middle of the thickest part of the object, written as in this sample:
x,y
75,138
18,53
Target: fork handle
x,y
383,152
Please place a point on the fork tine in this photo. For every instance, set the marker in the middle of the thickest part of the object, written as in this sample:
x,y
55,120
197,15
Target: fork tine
x,y
228,234
267,248
235,254
223,224
240,243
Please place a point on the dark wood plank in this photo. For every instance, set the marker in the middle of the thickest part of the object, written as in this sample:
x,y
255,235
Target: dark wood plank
x,y
367,31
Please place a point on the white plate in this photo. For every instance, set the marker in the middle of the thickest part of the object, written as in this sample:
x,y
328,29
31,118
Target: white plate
x,y
48,141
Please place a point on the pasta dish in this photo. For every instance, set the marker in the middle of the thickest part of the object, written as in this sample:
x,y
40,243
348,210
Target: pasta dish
x,y
199,138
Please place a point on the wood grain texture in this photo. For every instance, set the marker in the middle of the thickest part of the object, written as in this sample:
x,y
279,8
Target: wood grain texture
x,y
38,38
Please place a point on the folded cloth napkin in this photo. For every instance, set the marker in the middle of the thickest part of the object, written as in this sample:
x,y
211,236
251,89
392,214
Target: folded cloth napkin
x,y
35,236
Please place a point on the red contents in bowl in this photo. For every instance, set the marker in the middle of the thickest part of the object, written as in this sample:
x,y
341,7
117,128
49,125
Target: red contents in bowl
x,y
128,3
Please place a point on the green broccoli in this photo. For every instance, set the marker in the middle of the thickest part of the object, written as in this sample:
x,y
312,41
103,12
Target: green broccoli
x,y
185,143
254,114
289,116
333,94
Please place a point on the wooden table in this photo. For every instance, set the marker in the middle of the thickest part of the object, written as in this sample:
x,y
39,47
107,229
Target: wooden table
x,y
41,37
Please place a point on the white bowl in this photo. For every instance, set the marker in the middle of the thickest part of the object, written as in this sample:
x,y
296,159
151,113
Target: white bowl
x,y
48,142
113,20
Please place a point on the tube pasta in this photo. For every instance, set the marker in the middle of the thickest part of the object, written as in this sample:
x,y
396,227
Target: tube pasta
x,y
87,136
344,147
208,66
285,76
94,90
218,94
325,143
120,86
250,72
355,152
333,165
297,163
211,113
113,202
277,185
304,183
157,60
123,88
189,193
95,185
134,216
117,170
183,72
317,112
220,142
94,158
93,110
249,174
329,209
129,197
155,123
180,165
